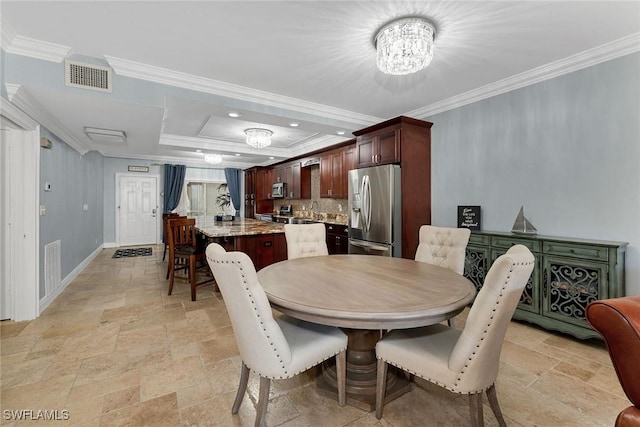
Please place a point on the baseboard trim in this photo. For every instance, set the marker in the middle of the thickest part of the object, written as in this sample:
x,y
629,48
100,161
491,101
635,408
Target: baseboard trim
x,y
109,245
44,302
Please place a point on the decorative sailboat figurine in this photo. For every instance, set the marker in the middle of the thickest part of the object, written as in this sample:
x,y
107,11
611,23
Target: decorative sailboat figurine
x,y
522,224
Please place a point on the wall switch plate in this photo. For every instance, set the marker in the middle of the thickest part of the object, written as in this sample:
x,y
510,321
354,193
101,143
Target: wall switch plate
x,y
43,210
85,207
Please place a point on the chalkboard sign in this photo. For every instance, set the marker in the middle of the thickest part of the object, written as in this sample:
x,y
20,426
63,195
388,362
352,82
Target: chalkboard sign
x,y
469,217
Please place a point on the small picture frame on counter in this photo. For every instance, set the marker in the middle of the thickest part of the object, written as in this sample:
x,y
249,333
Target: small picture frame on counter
x,y
469,217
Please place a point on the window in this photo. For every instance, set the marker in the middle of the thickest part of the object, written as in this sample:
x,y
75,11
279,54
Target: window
x,y
205,198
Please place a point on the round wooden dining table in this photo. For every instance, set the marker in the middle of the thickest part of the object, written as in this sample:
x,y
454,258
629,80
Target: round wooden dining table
x,y
364,295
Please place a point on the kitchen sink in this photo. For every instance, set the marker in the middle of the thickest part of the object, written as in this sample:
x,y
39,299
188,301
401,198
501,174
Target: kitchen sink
x,y
301,221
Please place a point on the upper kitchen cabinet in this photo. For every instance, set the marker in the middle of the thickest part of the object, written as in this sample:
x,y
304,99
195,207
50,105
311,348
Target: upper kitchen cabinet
x,y
407,142
392,141
379,148
334,166
298,181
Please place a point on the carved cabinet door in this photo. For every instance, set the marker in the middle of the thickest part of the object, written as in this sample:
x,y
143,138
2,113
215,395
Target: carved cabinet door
x,y
569,286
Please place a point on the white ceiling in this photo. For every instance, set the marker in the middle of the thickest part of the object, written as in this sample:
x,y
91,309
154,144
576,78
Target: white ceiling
x,y
180,67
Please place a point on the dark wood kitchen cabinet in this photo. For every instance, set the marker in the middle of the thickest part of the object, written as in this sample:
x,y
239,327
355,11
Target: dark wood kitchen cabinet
x,y
337,238
567,276
334,167
263,249
407,142
249,193
298,181
263,183
379,148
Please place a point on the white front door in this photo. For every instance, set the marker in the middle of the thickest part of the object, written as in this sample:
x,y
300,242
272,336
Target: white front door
x,y
138,210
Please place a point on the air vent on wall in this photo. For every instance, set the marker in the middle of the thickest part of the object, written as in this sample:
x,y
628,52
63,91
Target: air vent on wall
x,y
88,76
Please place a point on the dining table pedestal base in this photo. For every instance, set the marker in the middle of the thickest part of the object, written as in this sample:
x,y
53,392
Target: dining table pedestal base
x,y
361,373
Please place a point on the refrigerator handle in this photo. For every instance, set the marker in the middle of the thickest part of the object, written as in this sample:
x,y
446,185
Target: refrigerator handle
x,y
366,202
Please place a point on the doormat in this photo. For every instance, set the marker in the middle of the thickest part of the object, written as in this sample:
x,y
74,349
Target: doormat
x,y
123,253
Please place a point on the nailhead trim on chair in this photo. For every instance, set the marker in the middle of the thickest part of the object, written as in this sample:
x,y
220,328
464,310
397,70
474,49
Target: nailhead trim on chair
x,y
287,374
472,354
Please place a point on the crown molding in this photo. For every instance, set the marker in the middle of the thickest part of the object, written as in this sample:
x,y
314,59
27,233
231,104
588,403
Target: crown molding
x,y
173,160
38,49
587,58
16,115
222,146
168,77
22,99
6,34
219,145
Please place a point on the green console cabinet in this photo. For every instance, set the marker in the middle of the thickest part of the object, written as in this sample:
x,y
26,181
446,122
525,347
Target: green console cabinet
x,y
568,275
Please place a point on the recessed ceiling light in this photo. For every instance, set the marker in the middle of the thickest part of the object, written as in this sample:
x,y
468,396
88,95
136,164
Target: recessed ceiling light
x,y
271,158
237,154
340,132
234,114
198,151
294,125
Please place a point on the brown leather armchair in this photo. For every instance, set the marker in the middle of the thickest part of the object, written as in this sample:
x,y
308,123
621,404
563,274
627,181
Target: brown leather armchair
x,y
618,321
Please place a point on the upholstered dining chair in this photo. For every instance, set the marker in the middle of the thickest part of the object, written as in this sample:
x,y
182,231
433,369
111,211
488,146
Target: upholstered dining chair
x,y
462,361
274,348
618,321
185,252
305,240
444,247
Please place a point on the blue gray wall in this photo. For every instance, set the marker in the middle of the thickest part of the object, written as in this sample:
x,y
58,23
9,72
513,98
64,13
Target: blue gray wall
x,y
75,181
568,149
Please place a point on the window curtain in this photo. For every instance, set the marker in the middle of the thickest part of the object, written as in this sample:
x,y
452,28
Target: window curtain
x,y
173,183
233,177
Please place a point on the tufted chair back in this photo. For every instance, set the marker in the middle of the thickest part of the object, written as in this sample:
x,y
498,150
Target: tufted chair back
x,y
618,321
261,343
476,354
305,240
444,247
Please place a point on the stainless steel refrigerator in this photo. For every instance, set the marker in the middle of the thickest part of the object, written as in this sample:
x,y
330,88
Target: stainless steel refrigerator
x,y
375,211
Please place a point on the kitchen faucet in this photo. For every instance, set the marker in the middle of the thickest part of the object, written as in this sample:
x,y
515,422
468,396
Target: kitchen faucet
x,y
313,212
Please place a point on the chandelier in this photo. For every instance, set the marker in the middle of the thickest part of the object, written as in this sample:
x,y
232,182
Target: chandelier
x,y
258,138
213,158
404,46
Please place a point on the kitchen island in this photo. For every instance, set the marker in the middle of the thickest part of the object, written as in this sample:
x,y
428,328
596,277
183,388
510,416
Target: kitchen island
x,y
263,241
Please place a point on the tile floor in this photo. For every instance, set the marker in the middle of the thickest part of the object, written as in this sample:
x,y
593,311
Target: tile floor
x,y
114,350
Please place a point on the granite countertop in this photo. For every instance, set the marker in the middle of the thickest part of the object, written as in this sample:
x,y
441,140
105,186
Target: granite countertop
x,y
324,217
237,227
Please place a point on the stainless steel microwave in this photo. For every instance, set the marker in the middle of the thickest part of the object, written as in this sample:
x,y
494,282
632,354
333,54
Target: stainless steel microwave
x,y
278,190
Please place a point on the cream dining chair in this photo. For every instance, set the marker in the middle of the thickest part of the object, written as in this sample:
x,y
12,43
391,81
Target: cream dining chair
x,y
467,361
444,247
305,240
274,348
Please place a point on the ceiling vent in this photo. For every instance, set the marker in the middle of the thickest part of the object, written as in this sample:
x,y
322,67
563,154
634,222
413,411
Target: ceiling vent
x,y
88,76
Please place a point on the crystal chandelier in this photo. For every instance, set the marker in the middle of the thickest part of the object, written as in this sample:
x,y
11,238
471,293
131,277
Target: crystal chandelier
x,y
258,138
404,46
213,158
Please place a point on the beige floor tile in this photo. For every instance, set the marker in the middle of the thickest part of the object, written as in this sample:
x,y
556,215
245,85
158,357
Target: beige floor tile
x,y
121,399
161,378
217,413
114,349
159,412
